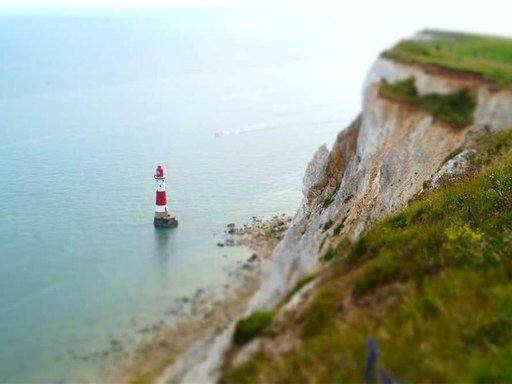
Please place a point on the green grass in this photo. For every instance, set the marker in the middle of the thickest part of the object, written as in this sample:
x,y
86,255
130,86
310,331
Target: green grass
x,y
430,284
252,326
319,314
455,109
489,57
452,154
303,281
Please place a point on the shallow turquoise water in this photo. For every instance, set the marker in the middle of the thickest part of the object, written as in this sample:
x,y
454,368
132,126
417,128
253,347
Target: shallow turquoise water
x,y
88,107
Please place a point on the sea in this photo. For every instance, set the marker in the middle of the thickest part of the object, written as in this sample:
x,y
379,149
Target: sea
x,y
90,104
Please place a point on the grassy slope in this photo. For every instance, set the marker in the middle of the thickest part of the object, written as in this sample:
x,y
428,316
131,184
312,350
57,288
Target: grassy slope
x,y
432,284
488,56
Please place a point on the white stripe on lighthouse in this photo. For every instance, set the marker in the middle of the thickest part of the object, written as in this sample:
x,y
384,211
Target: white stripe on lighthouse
x,y
160,208
160,185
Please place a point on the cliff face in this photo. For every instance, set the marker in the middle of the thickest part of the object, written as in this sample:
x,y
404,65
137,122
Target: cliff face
x,y
382,160
376,166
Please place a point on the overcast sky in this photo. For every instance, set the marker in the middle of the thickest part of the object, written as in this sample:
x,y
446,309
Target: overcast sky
x,y
482,14
350,34
369,18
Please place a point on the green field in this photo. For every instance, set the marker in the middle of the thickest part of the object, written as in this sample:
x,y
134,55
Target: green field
x,y
432,284
486,56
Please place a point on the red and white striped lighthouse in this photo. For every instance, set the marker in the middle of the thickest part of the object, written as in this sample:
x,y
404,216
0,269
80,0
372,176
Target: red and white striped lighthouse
x,y
161,209
162,217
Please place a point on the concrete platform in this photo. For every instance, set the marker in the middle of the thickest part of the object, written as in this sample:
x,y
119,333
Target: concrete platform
x,y
166,222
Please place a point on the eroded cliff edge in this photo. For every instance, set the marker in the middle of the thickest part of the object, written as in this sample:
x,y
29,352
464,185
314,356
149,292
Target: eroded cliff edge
x,y
385,158
376,165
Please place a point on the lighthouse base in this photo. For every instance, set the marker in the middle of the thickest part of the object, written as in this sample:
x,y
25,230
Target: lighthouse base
x,y
165,222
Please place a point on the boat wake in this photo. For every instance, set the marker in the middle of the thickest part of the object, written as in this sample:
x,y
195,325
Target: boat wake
x,y
269,127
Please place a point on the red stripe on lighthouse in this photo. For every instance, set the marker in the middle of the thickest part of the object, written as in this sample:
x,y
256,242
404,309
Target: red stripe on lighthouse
x,y
161,198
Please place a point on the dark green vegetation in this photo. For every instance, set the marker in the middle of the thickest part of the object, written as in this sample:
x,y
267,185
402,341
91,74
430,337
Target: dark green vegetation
x,y
328,225
455,109
252,326
453,153
432,284
488,57
336,231
258,323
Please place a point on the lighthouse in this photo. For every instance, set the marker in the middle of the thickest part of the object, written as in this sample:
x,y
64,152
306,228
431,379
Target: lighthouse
x,y
162,216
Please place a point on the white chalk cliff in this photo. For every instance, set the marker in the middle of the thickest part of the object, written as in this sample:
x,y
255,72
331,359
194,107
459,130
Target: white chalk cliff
x,y
374,168
379,163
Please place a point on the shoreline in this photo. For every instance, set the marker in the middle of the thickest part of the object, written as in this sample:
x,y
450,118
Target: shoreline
x,y
155,358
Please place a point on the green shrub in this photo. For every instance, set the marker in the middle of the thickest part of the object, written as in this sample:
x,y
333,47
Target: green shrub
x,y
252,326
402,90
455,109
337,229
453,153
398,221
328,225
329,255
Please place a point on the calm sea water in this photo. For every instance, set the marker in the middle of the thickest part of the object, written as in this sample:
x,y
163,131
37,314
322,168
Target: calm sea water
x,y
88,107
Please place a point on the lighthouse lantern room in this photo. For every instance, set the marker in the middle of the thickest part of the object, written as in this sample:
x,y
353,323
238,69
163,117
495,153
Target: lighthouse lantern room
x,y
162,216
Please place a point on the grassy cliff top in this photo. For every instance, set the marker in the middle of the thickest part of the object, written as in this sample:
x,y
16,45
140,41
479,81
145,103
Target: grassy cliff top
x,y
487,56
